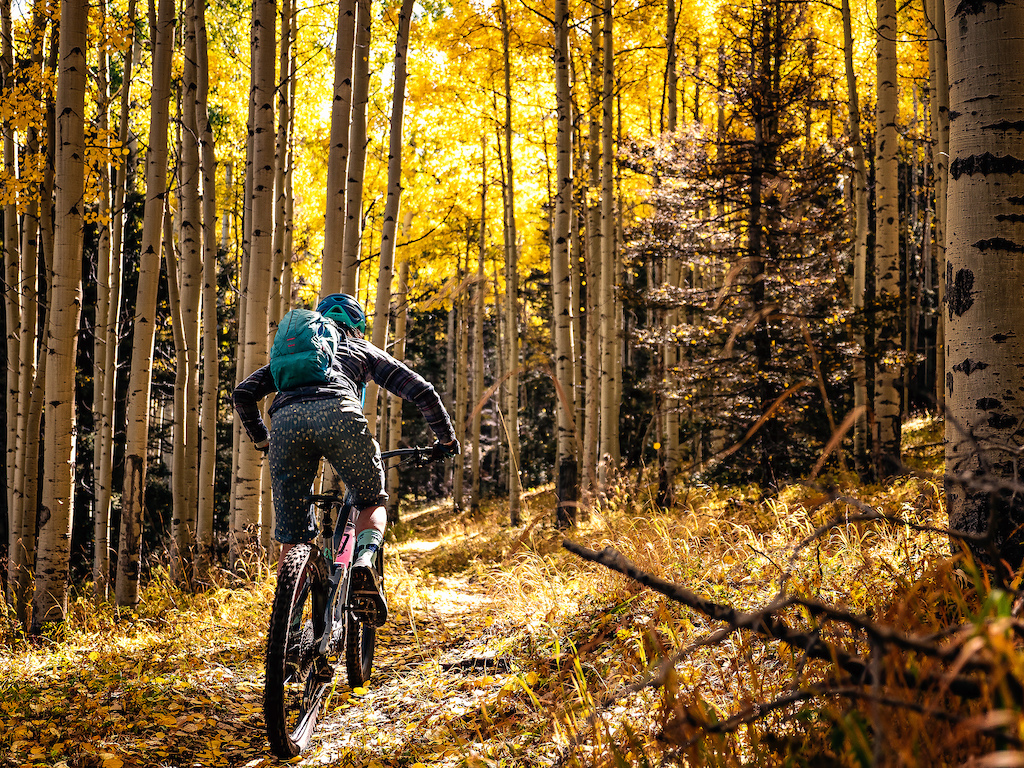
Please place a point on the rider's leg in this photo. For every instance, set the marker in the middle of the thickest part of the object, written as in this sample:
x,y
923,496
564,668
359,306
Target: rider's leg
x,y
370,524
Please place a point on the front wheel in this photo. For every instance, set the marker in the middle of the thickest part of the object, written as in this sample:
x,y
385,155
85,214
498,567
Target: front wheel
x,y
297,677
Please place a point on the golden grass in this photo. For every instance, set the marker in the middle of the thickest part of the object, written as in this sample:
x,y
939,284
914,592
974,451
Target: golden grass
x,y
578,644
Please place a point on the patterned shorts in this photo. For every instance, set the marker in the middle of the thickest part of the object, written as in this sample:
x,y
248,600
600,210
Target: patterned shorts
x,y
302,433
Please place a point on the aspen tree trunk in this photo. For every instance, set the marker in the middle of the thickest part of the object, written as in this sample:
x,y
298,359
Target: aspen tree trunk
x,y
887,404
107,326
671,75
226,217
478,337
247,517
567,469
392,205
132,496
860,250
284,122
186,391
241,296
13,300
337,158
592,394
210,356
56,511
356,149
671,268
515,487
984,272
609,375
22,516
395,427
462,305
938,68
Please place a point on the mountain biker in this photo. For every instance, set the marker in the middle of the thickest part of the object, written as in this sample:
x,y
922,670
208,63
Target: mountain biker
x,y
326,421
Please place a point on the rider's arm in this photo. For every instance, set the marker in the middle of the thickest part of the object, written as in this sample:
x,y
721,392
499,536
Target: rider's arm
x,y
246,398
398,379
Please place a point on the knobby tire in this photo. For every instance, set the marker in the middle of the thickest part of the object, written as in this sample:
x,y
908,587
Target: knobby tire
x,y
295,686
360,641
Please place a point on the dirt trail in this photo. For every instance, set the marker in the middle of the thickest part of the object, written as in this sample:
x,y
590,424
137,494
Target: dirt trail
x,y
437,674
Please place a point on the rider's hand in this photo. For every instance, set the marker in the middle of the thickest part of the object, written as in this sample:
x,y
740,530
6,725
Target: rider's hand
x,y
263,445
444,450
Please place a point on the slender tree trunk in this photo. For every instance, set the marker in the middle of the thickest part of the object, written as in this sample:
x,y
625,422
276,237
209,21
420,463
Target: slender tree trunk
x,y
337,158
392,206
210,356
395,428
186,430
860,250
140,377
940,164
609,271
13,291
984,272
515,487
284,122
592,410
567,469
32,373
248,516
479,289
357,149
887,404
56,511
462,306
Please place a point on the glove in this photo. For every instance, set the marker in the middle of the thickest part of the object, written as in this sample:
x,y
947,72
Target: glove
x,y
444,450
263,445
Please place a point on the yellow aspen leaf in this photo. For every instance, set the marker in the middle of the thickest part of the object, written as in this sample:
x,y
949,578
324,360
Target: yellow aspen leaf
x,y
94,655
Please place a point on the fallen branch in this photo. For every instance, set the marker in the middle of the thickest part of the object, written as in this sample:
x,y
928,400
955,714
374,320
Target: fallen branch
x,y
767,624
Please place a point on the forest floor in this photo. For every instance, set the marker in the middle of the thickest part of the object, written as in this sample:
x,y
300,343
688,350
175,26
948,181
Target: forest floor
x,y
503,649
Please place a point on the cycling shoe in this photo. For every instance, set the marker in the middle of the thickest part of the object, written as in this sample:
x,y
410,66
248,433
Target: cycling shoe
x,y
369,603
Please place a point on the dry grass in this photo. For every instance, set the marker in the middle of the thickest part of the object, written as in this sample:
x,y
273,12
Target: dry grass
x,y
581,676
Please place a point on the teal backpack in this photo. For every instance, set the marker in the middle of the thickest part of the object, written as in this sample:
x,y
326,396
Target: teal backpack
x,y
303,349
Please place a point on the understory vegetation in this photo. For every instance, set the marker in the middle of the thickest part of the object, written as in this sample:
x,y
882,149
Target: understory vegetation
x,y
504,648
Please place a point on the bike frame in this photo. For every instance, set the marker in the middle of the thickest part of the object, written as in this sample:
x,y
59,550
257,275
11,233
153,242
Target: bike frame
x,y
338,550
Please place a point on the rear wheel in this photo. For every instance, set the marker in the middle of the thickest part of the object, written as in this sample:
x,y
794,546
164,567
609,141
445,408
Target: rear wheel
x,y
297,677
361,640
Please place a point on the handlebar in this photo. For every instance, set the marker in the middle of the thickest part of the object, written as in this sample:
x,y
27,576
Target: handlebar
x,y
422,454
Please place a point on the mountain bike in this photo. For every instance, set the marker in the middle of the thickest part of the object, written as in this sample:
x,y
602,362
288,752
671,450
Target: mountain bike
x,y
316,619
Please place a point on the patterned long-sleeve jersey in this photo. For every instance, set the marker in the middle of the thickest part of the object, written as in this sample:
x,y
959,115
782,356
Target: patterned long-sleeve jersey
x,y
356,362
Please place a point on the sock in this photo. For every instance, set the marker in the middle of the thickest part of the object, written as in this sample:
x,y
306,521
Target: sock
x,y
368,541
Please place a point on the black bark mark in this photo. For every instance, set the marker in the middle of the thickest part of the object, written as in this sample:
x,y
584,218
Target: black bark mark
x,y
974,7
999,244
987,404
1002,421
985,164
1006,125
959,291
968,366
1002,338
1011,218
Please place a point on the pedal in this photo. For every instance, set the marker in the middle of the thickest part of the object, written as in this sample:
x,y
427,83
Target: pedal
x,y
364,606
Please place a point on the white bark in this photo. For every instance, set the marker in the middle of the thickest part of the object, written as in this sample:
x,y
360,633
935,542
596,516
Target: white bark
x,y
888,367
392,206
984,273
337,158
56,511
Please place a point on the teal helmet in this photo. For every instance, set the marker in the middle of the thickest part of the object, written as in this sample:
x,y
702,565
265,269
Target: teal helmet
x,y
344,310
